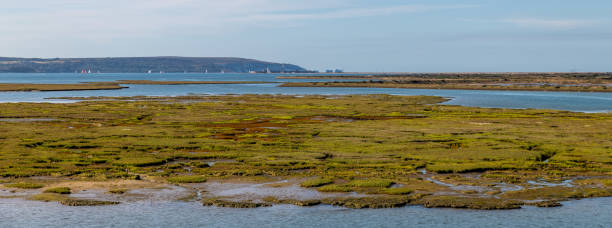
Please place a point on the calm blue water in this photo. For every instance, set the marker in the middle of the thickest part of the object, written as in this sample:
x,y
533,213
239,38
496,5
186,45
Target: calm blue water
x,y
571,101
76,78
21,213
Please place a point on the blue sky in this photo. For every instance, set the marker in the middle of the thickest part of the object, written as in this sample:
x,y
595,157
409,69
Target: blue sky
x,y
355,35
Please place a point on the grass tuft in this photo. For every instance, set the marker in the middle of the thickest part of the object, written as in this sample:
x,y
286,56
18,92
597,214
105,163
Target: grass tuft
x,y
368,183
58,190
187,179
316,182
398,191
334,188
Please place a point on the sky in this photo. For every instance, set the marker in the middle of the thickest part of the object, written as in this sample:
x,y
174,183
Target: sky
x,y
354,35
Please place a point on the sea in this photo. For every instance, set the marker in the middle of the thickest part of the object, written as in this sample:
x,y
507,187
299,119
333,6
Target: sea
x,y
569,101
23,213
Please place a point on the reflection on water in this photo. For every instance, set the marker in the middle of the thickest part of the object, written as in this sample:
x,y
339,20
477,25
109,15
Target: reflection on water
x,y
21,213
571,101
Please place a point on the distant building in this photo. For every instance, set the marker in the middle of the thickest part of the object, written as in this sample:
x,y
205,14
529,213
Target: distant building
x,y
334,71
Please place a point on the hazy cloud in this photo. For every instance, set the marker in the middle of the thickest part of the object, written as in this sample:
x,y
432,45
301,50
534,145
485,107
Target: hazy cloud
x,y
114,18
550,23
352,12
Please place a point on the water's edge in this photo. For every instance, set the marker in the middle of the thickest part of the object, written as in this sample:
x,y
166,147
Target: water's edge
x,y
569,101
22,213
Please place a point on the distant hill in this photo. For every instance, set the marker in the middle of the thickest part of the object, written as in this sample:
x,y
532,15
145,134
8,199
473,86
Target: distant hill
x,y
168,64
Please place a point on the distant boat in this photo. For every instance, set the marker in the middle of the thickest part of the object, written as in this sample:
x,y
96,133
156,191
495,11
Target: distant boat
x,y
89,71
268,70
83,71
222,71
149,72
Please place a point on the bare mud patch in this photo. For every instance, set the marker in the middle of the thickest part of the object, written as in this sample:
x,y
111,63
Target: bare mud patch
x,y
116,190
283,189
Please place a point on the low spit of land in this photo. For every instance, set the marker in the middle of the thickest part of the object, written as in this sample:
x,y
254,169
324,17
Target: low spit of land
x,y
12,87
149,82
366,151
569,82
27,87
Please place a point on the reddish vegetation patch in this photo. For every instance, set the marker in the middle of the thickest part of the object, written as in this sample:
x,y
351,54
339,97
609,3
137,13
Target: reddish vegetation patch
x,y
329,118
262,126
259,126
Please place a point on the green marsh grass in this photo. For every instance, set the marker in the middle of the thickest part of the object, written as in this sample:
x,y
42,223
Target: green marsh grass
x,y
398,191
356,139
334,188
370,183
58,190
187,179
316,182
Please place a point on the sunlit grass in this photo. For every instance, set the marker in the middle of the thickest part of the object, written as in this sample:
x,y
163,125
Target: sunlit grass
x,y
58,190
334,188
187,179
316,182
370,183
